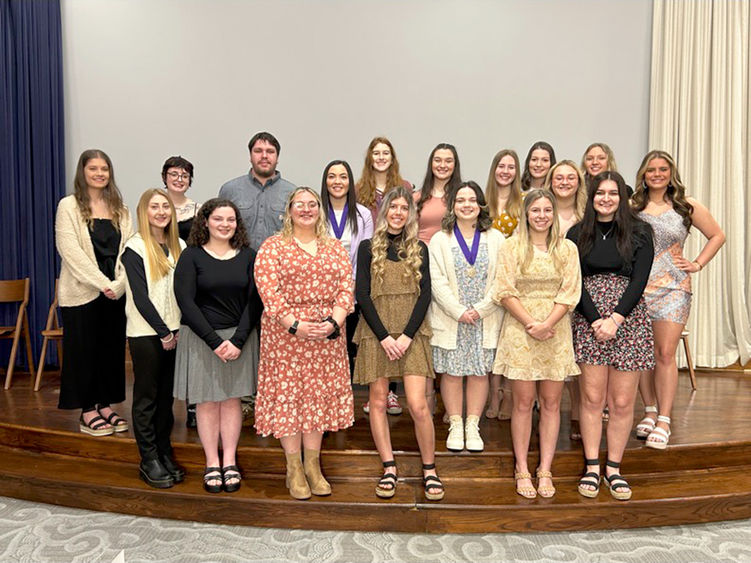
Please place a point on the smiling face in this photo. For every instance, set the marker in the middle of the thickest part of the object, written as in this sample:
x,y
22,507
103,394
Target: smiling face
x,y
466,207
540,215
596,161
263,159
304,210
606,200
396,215
565,182
97,173
539,163
505,171
159,212
443,164
222,224
657,174
337,182
177,180
382,157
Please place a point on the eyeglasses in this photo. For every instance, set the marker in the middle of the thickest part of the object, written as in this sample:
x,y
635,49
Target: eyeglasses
x,y
301,205
175,175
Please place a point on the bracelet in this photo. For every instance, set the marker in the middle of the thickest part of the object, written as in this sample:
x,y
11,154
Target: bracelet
x,y
337,329
616,323
171,338
698,264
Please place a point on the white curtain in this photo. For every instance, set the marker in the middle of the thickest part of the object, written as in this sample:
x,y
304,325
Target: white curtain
x,y
699,113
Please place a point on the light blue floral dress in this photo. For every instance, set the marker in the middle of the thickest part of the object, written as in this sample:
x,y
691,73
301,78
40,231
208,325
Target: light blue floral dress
x,y
469,358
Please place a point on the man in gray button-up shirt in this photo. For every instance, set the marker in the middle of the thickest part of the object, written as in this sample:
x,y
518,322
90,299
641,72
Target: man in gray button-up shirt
x,y
262,193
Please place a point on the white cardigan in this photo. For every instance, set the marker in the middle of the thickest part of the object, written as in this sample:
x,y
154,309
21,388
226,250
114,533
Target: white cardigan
x,y
445,308
81,281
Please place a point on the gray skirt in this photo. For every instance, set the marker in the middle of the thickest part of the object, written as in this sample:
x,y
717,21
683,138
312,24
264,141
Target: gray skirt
x,y
200,375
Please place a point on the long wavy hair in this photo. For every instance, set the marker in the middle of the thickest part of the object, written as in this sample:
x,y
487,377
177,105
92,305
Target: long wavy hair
x,y
626,224
525,248
580,201
514,205
407,245
526,175
427,183
159,264
351,196
322,225
484,221
366,186
675,194
199,232
111,194
611,164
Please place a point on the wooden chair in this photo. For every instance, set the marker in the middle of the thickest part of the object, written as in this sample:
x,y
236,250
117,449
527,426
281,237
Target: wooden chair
x,y
52,332
16,291
689,361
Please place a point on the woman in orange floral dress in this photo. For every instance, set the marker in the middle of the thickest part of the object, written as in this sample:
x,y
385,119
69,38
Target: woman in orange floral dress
x,y
304,278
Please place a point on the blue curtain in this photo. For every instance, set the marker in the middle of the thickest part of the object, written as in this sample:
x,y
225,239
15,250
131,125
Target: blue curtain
x,y
32,157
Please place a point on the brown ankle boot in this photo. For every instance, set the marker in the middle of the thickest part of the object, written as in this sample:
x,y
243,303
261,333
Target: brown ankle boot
x,y
318,484
296,483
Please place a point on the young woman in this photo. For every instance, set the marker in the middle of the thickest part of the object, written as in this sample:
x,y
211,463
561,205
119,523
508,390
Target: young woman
x,y
305,281
219,303
660,199
393,290
465,321
538,282
349,222
504,196
442,177
91,227
380,173
612,331
153,320
598,158
177,175
540,158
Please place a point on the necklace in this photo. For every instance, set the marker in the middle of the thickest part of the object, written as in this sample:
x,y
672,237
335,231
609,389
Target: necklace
x,y
610,230
470,255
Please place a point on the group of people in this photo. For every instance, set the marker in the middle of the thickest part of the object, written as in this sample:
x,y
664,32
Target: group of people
x,y
290,294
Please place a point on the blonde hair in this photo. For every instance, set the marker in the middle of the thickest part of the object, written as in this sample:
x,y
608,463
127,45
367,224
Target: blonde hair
x,y
407,246
322,230
580,201
514,205
366,185
525,249
159,264
611,165
675,193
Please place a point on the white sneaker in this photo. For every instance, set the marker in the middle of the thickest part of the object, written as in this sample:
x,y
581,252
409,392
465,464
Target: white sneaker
x,y
472,434
455,440
392,404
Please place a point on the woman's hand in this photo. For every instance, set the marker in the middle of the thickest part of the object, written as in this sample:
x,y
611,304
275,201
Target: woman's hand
x,y
470,317
605,330
109,294
403,343
169,343
685,265
539,330
392,349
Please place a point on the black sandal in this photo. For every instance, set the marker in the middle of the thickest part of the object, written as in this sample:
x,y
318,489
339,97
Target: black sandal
x,y
615,481
590,479
97,426
212,474
386,487
432,482
230,472
118,423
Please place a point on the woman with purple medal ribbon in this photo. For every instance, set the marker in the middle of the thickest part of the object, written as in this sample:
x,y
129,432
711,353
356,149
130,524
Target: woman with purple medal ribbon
x,y
466,322
350,222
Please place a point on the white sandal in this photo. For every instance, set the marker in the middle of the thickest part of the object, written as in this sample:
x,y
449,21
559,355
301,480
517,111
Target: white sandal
x,y
647,424
658,438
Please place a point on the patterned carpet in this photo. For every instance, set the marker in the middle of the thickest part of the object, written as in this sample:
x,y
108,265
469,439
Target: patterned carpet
x,y
42,533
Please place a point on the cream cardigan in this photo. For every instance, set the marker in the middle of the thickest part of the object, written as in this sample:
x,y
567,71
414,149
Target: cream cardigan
x,y
445,308
81,281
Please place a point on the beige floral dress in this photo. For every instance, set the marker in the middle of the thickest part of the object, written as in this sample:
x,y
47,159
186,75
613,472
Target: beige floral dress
x,y
538,288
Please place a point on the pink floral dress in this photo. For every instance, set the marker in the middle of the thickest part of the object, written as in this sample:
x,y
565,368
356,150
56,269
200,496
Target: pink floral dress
x,y
303,386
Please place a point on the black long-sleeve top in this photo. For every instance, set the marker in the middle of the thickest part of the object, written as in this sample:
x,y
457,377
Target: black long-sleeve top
x,y
215,294
139,286
362,289
603,258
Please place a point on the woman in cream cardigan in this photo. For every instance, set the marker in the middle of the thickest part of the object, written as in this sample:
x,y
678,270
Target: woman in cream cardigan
x,y
91,228
466,322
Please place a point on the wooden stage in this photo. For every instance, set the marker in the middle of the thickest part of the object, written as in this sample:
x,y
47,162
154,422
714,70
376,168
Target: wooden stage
x,y
703,476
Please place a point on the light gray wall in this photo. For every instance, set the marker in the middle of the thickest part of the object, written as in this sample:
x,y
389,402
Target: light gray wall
x,y
146,79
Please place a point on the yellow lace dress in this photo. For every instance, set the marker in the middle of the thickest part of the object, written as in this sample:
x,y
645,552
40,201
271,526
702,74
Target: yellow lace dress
x,y
539,288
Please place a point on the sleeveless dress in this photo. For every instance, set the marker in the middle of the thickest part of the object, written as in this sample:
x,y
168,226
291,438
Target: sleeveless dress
x,y
668,292
394,301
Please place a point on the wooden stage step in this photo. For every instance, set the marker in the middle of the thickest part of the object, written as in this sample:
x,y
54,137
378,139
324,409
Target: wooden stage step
x,y
703,476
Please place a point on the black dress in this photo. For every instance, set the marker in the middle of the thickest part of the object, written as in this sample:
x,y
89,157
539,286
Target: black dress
x,y
93,371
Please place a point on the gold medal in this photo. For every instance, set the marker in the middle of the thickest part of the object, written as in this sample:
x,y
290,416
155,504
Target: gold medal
x,y
471,272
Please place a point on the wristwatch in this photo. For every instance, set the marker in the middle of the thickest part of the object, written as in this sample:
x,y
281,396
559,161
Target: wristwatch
x,y
293,328
337,329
